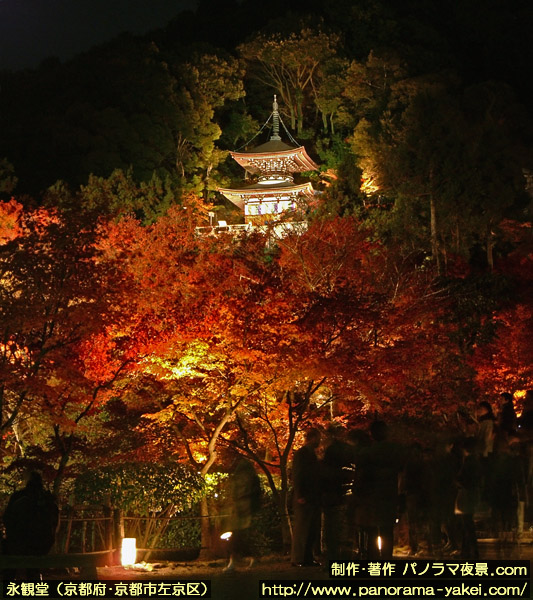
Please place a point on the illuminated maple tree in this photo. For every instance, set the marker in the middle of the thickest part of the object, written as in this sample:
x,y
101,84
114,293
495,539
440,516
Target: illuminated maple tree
x,y
504,361
218,343
59,306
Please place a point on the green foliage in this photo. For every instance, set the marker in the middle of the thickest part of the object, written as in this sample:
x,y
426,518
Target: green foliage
x,y
447,155
475,299
343,196
237,128
183,531
141,488
206,83
8,181
301,68
129,107
266,524
120,194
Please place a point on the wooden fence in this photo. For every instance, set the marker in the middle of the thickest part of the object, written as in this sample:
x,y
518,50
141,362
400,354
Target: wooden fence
x,y
86,529
95,528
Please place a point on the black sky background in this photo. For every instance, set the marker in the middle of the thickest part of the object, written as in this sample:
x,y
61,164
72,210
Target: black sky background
x,y
32,30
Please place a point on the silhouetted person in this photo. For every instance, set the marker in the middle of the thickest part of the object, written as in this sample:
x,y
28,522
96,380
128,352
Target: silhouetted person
x,y
445,466
469,482
335,482
306,501
525,424
505,489
358,439
508,420
377,492
245,496
486,429
417,485
30,520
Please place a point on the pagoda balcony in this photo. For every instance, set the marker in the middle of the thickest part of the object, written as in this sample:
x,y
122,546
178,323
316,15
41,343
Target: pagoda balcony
x,y
276,229
223,227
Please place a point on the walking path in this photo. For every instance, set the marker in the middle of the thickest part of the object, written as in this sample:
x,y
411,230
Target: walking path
x,y
244,583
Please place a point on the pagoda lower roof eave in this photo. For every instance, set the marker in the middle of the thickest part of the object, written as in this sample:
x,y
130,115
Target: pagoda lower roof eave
x,y
239,196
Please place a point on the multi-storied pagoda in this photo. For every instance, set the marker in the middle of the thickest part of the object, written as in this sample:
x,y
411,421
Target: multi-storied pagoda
x,y
271,165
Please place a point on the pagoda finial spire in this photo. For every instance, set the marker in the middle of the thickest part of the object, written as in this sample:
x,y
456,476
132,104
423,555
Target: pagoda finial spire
x,y
275,121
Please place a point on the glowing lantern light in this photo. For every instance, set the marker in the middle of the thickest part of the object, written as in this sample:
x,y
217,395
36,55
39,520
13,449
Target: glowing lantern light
x,y
379,543
226,536
129,551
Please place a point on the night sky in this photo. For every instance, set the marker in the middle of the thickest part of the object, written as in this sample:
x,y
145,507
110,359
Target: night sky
x,y
32,30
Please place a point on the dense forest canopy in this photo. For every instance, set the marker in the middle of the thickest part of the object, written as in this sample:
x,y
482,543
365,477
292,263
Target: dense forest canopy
x,y
125,334
176,99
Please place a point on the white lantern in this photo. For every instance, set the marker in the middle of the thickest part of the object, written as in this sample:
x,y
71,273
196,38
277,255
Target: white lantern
x,y
128,554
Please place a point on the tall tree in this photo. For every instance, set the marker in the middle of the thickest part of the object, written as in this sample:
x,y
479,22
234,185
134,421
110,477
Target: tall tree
x,y
128,105
295,67
55,296
432,157
503,358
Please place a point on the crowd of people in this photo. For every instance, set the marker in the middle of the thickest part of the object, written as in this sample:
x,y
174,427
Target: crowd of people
x,y
356,490
351,489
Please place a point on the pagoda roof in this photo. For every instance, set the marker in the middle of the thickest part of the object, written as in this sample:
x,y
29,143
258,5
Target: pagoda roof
x,y
270,147
254,160
240,195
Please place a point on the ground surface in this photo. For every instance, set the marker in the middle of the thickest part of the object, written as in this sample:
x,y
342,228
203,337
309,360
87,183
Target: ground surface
x,y
244,582
241,584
